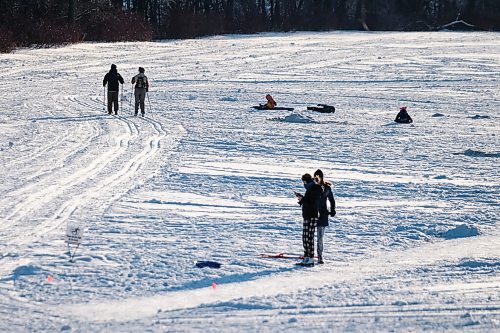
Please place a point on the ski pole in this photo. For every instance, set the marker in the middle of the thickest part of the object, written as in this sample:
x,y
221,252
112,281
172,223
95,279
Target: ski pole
x,y
121,97
149,102
104,99
131,92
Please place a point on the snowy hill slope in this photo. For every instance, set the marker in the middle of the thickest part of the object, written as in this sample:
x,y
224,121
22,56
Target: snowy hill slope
x,y
414,246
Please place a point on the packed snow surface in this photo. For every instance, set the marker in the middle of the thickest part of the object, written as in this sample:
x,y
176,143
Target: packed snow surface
x,y
415,245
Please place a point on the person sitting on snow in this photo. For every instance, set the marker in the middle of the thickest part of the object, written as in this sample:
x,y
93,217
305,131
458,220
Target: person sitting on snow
x,y
403,117
270,102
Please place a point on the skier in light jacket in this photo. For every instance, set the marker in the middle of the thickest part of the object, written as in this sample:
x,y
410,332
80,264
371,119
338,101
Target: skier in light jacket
x,y
141,88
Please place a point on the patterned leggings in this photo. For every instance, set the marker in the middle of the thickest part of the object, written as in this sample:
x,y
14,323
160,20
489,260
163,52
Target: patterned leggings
x,y
308,237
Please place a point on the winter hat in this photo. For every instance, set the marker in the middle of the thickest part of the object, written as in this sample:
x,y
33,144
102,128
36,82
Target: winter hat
x,y
403,108
113,67
318,173
306,177
141,70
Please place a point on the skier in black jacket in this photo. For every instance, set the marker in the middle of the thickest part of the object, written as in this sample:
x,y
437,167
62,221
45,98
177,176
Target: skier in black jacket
x,y
327,195
310,210
113,80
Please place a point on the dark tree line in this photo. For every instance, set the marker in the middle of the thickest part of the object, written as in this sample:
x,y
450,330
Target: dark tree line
x,y
42,22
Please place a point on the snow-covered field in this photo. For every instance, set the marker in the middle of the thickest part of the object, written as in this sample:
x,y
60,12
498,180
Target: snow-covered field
x,y
415,245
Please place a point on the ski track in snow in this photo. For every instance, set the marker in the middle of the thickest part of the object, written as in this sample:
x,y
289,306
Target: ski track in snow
x,y
203,176
75,173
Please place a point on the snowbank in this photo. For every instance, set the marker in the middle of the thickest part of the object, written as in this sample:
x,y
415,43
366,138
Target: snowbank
x,y
295,118
461,231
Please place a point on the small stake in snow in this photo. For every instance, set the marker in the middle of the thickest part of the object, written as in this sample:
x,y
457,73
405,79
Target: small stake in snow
x,y
74,236
149,102
50,279
214,285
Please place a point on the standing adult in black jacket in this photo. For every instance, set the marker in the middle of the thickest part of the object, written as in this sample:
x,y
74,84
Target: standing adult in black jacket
x,y
310,211
113,80
327,195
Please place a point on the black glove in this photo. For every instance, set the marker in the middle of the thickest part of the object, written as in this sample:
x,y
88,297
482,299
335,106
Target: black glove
x,y
333,212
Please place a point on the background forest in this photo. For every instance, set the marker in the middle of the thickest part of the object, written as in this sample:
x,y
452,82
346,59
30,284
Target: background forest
x,y
46,22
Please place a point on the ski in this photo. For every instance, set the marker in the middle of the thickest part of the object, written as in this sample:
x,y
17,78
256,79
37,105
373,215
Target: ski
x,y
282,255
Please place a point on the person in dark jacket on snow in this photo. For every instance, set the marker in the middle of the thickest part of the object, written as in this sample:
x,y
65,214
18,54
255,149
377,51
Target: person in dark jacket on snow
x,y
113,80
310,212
327,195
403,117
